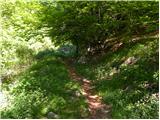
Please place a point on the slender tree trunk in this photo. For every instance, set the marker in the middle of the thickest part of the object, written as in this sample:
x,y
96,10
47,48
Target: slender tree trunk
x,y
77,48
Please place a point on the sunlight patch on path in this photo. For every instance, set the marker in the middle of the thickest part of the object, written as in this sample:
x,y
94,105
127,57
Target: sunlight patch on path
x,y
97,109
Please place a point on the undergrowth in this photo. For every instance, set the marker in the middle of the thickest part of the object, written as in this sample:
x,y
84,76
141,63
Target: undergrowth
x,y
45,87
131,89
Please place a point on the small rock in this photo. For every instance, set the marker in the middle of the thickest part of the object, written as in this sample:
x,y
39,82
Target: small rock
x,y
114,71
82,60
130,60
127,88
117,46
77,93
52,115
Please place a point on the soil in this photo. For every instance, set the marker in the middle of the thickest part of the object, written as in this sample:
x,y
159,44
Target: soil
x,y
97,109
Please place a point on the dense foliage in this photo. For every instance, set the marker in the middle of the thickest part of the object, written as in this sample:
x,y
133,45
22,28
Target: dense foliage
x,y
45,87
37,35
89,24
21,34
131,89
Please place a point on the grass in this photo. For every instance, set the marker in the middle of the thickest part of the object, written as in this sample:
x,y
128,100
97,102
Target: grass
x,y
45,87
132,90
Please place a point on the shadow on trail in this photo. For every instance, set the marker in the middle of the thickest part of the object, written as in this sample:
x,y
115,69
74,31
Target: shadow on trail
x,y
46,87
131,84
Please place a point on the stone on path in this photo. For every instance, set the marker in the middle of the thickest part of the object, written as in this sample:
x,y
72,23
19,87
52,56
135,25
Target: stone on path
x,y
130,60
52,115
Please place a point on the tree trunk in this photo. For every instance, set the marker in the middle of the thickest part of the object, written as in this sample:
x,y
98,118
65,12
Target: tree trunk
x,y
77,48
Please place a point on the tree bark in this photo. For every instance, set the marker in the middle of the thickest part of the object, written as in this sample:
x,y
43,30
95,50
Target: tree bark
x,y
77,48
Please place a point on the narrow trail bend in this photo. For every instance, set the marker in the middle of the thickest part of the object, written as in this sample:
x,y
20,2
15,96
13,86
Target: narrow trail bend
x,y
97,109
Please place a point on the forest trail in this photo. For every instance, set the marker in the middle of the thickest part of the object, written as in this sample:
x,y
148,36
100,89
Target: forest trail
x,y
97,109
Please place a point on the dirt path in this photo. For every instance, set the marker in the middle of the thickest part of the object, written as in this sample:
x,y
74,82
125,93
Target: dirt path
x,y
97,109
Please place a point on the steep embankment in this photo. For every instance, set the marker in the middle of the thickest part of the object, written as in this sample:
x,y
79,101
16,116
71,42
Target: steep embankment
x,y
127,78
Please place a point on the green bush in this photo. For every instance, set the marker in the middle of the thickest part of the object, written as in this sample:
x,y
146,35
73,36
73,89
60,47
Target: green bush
x,y
45,87
21,37
131,89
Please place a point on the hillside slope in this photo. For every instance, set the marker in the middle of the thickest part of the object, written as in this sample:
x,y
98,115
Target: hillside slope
x,y
128,78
